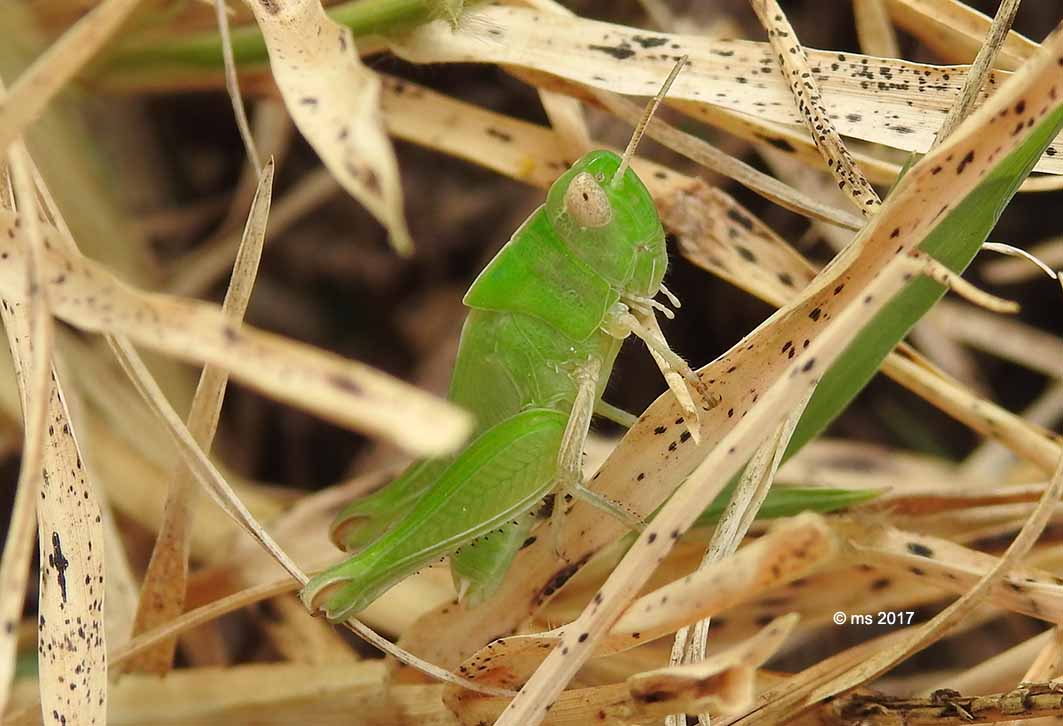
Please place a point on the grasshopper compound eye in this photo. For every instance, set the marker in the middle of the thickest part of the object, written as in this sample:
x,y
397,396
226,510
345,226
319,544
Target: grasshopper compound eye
x,y
587,203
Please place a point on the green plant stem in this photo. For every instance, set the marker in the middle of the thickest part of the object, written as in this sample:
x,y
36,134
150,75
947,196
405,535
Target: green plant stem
x,y
202,51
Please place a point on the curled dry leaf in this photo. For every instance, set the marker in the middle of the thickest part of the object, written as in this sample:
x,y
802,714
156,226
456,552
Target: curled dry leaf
x,y
884,100
719,685
87,295
335,101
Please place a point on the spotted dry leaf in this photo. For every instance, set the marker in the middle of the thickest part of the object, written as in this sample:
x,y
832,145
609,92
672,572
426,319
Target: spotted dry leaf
x,y
335,101
71,639
87,295
793,61
885,100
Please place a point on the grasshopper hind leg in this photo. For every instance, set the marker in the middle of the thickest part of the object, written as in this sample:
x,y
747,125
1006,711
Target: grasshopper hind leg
x,y
367,518
479,567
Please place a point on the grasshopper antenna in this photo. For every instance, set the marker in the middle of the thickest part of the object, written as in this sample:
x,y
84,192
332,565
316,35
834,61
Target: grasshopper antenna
x,y
651,108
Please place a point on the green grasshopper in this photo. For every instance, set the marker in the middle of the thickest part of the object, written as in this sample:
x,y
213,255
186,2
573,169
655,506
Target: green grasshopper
x,y
548,316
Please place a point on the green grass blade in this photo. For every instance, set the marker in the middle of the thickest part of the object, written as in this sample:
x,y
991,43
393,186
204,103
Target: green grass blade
x,y
786,501
199,52
954,242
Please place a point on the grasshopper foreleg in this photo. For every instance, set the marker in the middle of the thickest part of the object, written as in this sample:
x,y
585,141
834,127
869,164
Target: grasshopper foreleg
x,y
677,374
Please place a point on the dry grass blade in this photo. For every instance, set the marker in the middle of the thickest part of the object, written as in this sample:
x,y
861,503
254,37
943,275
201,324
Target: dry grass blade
x,y
71,640
904,111
335,101
1029,441
722,163
954,568
163,591
46,77
753,486
71,637
956,31
979,71
30,338
1007,339
89,296
992,460
232,85
793,62
874,30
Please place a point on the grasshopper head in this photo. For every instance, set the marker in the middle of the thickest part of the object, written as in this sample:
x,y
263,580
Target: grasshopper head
x,y
612,225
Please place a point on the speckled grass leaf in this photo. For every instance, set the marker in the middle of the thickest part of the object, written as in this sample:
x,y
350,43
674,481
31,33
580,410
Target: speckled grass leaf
x,y
738,75
335,101
807,97
30,337
351,394
71,639
162,594
839,303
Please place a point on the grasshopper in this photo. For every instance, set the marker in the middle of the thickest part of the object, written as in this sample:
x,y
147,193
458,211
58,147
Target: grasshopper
x,y
548,316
